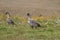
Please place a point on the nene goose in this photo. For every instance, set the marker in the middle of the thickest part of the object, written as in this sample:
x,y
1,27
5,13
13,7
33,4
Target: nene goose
x,y
8,19
31,22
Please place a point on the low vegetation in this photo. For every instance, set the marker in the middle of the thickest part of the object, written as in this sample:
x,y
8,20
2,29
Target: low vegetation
x,y
49,30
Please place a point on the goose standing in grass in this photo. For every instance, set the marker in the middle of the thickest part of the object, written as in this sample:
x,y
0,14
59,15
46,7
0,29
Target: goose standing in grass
x,y
8,19
32,23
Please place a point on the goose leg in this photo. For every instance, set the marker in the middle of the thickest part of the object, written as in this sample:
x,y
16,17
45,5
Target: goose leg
x,y
32,27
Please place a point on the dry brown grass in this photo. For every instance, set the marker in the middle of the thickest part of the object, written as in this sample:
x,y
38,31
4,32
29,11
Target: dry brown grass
x,y
35,7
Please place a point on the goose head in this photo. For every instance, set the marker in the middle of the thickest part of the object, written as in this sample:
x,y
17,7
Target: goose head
x,y
7,14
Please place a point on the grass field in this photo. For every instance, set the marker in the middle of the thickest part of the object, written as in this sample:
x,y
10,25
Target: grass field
x,y
49,30
50,19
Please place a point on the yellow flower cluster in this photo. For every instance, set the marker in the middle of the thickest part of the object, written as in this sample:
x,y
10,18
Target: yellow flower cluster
x,y
41,18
